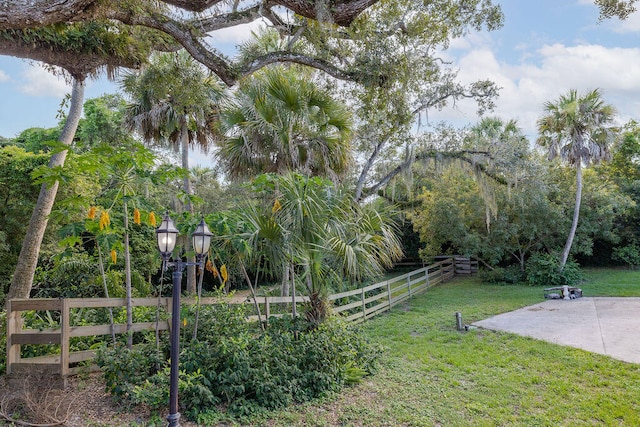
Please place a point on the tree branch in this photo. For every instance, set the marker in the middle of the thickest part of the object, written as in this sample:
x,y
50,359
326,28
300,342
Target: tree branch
x,y
341,12
367,166
186,35
298,58
434,154
618,8
218,22
189,38
39,13
78,64
484,91
193,5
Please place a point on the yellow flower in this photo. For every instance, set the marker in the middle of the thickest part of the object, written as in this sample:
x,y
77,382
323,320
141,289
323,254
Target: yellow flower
x,y
105,221
152,219
223,273
209,266
92,213
276,206
184,322
114,256
136,216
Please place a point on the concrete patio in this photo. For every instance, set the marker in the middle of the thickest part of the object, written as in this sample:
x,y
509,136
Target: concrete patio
x,y
609,326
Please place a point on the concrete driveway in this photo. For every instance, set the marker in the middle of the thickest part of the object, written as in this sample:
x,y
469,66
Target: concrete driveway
x,y
608,326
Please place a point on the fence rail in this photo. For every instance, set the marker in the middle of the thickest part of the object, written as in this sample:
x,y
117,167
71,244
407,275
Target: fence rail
x,y
354,306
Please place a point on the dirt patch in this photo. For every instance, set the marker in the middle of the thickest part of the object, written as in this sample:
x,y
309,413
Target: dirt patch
x,y
83,403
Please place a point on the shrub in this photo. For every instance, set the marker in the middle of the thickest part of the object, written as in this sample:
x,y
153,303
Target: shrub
x,y
193,388
246,370
124,368
499,275
629,255
543,269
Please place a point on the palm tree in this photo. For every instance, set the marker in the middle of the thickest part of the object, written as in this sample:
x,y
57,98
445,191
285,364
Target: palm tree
x,y
175,102
282,121
315,231
206,185
576,129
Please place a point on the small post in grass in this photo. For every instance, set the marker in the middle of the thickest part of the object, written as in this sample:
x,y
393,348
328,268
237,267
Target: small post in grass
x,y
459,325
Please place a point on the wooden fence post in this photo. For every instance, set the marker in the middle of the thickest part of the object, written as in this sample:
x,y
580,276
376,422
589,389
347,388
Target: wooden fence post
x,y
294,310
64,337
14,324
267,312
364,306
426,276
409,284
389,293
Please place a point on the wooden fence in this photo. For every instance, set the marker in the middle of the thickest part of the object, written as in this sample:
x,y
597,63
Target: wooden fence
x,y
463,265
354,306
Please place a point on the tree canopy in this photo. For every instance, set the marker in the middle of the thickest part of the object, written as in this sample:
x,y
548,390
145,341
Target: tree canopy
x,y
82,36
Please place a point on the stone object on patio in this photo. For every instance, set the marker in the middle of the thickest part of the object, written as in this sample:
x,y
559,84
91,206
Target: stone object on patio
x,y
566,292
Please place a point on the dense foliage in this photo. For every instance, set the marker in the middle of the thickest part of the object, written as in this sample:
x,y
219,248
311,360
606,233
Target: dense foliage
x,y
235,366
18,195
510,228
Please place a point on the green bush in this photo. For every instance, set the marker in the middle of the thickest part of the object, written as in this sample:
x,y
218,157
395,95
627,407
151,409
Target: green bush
x,y
629,255
193,388
543,269
242,368
123,368
507,275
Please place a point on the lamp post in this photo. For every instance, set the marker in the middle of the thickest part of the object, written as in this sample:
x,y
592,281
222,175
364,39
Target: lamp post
x,y
167,235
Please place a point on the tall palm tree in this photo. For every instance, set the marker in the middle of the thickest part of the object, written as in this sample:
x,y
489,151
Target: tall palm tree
x,y
175,103
577,129
281,121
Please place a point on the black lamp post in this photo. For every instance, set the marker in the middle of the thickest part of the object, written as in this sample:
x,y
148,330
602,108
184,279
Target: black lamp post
x,y
167,235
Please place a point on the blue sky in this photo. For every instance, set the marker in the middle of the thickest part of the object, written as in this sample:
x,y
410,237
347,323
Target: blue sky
x,y
545,48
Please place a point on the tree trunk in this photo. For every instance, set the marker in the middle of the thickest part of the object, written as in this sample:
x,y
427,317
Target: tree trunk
x,y
127,277
184,147
365,170
576,214
28,259
106,292
253,294
284,288
294,310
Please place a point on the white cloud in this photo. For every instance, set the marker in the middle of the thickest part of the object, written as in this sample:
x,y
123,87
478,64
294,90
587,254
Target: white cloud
x,y
234,35
546,74
629,25
4,77
39,82
476,40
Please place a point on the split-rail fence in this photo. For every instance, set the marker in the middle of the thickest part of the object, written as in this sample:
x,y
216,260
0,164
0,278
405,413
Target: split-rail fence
x,y
354,306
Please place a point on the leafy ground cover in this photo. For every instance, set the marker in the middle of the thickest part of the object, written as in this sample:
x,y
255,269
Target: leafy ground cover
x,y
433,375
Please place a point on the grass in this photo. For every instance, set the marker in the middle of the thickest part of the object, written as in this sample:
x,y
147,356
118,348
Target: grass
x,y
433,375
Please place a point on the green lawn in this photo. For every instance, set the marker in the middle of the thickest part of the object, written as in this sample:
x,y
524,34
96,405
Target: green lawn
x,y
433,375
